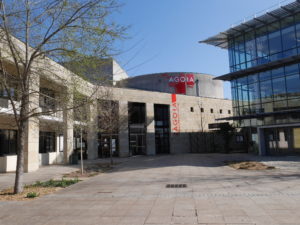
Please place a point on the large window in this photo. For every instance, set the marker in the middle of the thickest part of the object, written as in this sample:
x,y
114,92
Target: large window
x,y
269,91
8,142
47,142
137,113
271,42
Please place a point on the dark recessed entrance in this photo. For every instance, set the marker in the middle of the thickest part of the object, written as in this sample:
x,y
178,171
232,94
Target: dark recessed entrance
x,y
137,128
162,129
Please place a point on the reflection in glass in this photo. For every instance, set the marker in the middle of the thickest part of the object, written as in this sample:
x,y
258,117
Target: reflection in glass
x,y
289,40
279,91
291,69
293,86
254,93
278,72
266,90
275,42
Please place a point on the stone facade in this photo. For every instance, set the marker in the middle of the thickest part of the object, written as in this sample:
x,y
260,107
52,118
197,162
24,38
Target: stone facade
x,y
51,139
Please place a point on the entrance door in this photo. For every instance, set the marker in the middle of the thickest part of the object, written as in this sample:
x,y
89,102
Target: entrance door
x,y
137,144
106,142
162,129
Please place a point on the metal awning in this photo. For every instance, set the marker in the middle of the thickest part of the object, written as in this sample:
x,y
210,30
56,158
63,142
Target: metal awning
x,y
260,115
221,39
260,68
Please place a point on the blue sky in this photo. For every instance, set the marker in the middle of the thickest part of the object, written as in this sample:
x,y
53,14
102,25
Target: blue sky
x,y
164,34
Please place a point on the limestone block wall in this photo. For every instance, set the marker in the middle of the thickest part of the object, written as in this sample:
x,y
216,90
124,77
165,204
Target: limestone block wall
x,y
195,114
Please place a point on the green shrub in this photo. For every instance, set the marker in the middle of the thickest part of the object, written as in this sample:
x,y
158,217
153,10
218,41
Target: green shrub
x,y
32,195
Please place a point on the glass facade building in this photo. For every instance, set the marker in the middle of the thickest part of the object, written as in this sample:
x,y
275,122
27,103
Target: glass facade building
x,y
274,41
264,59
269,91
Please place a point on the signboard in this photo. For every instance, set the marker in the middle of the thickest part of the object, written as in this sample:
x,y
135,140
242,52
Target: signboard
x,y
181,82
175,115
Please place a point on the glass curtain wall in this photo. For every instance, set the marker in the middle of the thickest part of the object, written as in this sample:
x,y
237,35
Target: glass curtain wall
x,y
268,91
271,42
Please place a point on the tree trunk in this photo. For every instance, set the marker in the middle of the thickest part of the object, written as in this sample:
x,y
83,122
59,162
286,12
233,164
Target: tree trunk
x,y
20,159
110,151
81,153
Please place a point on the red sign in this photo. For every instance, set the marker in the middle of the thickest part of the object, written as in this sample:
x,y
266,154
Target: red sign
x,y
181,81
175,115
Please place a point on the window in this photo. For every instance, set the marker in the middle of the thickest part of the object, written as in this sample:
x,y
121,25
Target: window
x,y
137,113
12,91
254,93
229,111
266,90
265,75
252,78
47,142
250,47
279,91
192,109
277,72
47,100
291,69
293,86
262,49
202,110
8,142
221,111
289,40
239,138
275,43
211,110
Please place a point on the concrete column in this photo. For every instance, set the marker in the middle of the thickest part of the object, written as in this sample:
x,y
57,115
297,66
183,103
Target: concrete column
x,y
150,137
31,154
68,129
123,129
92,136
261,142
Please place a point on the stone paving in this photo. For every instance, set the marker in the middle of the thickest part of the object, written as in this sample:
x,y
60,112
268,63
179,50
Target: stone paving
x,y
134,193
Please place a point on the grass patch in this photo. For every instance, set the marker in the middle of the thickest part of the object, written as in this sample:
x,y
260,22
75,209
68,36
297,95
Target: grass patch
x,y
32,195
248,165
55,183
36,190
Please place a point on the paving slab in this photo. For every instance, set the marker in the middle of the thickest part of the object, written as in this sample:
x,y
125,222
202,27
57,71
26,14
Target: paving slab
x,y
135,193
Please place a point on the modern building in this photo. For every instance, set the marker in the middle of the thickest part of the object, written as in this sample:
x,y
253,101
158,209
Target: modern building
x,y
264,56
144,122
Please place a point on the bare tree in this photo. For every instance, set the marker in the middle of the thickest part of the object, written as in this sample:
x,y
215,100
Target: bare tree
x,y
32,34
82,118
108,118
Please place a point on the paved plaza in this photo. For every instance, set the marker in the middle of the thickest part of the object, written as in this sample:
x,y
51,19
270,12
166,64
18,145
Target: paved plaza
x,y
135,193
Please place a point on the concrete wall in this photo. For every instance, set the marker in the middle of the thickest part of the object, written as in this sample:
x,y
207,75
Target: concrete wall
x,y
8,163
191,119
204,85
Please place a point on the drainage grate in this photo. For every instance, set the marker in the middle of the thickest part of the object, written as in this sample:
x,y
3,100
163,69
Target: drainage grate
x,y
176,186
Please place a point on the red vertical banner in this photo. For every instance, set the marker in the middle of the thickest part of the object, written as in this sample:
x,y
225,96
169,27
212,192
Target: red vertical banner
x,y
175,115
